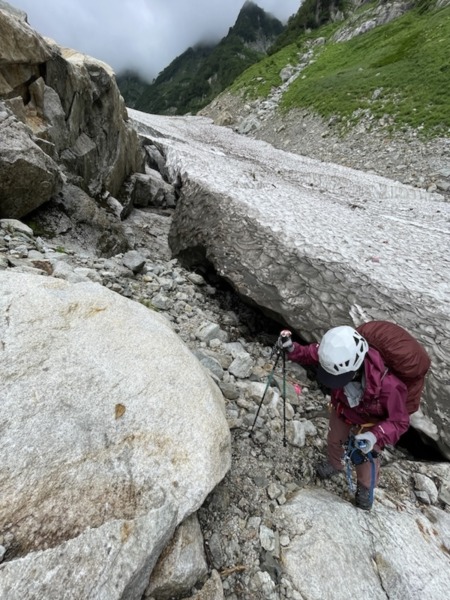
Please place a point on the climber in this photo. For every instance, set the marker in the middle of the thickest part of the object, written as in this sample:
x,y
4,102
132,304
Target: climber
x,y
367,399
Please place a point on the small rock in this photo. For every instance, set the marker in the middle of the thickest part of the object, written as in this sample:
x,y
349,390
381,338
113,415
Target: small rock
x,y
133,261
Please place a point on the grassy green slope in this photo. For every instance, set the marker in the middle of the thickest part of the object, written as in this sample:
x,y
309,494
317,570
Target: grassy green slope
x,y
406,62
178,84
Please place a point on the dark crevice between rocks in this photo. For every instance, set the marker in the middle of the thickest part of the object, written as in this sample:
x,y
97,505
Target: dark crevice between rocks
x,y
420,447
260,323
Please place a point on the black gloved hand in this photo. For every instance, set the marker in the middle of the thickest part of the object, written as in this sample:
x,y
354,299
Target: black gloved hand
x,y
284,341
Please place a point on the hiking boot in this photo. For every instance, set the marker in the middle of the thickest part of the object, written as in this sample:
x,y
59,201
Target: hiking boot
x,y
363,498
325,470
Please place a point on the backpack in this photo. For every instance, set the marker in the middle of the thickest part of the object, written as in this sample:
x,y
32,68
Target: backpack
x,y
402,354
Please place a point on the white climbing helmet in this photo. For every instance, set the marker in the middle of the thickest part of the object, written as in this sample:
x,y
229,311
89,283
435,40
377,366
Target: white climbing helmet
x,y
341,353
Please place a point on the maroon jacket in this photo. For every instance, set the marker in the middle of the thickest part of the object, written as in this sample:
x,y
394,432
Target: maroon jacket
x,y
383,402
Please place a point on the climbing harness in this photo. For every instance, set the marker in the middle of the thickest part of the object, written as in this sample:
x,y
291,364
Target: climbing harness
x,y
354,455
279,353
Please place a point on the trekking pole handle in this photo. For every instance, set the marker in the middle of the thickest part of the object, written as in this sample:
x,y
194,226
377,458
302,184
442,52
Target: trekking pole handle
x,y
284,342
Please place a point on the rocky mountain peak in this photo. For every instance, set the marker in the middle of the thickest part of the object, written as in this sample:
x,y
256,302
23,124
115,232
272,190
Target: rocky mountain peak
x,y
196,76
257,29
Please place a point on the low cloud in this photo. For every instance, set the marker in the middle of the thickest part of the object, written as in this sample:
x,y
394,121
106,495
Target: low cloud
x,y
144,35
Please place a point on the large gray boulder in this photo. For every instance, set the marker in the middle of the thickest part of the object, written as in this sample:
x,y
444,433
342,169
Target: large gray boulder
x,y
315,244
112,434
101,146
75,221
107,562
337,551
21,50
72,109
28,176
182,564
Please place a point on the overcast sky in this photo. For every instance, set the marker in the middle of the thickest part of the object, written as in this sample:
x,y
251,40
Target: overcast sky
x,y
142,34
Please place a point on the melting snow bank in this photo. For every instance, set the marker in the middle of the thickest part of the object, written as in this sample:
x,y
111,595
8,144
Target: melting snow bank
x,y
317,243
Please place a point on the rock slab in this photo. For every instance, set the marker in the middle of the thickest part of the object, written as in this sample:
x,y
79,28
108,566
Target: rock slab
x,y
112,435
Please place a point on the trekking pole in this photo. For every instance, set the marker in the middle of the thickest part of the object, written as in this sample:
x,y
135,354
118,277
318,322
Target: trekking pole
x,y
284,398
269,379
280,351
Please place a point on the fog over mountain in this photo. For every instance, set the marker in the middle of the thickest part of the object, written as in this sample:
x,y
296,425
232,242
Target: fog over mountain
x,y
143,35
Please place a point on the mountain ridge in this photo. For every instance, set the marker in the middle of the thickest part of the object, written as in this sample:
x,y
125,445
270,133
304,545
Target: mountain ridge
x,y
202,71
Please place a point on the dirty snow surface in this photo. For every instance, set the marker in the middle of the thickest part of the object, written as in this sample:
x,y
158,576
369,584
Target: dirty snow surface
x,y
395,233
